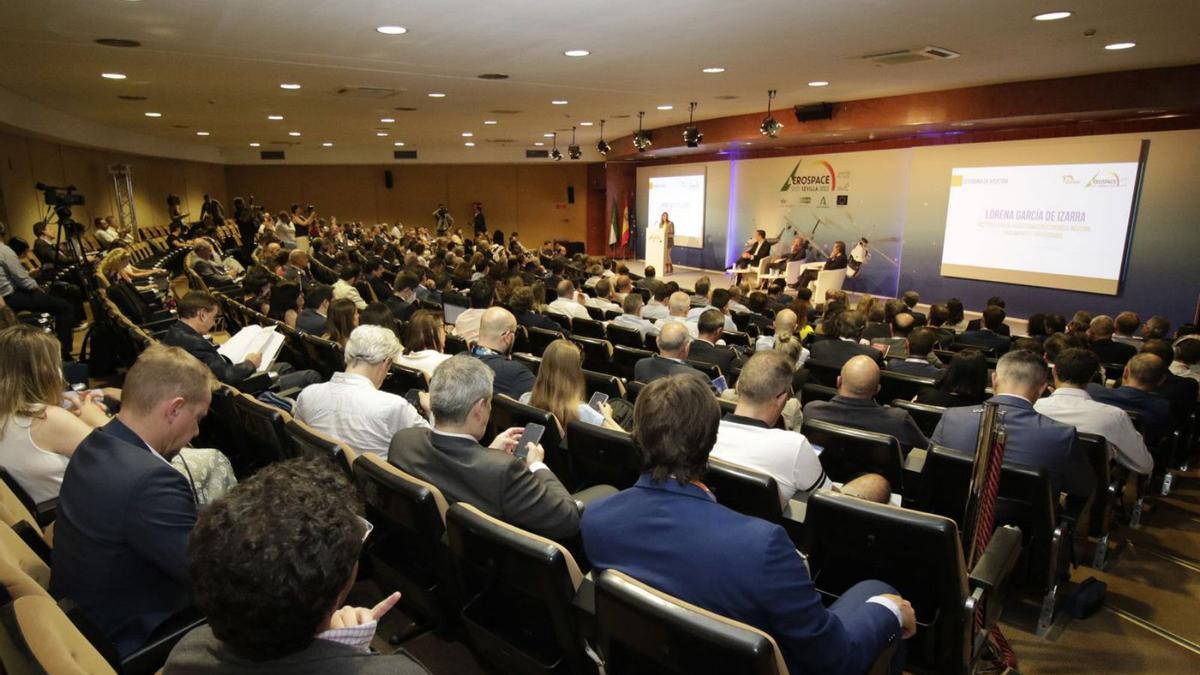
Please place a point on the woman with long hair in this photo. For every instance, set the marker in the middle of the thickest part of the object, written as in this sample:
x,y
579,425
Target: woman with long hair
x,y
118,266
955,320
668,228
286,303
561,388
963,382
424,342
341,320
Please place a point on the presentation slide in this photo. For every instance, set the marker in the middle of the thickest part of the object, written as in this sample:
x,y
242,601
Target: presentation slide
x,y
1055,226
682,197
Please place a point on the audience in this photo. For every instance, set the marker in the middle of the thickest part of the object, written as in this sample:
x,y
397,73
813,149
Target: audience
x,y
344,288
674,343
1187,358
1002,328
1100,333
705,348
21,293
567,302
657,309
342,320
1137,394
678,305
497,333
604,298
1180,392
286,303
1126,325
990,335
964,381
855,406
632,316
403,298
561,388
211,271
920,345
837,352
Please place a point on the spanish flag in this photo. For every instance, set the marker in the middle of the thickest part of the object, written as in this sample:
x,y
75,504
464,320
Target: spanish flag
x,y
625,223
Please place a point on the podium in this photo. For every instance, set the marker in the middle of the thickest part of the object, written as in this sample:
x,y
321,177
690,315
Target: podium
x,y
656,249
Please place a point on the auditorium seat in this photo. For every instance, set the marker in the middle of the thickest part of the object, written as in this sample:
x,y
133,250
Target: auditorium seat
x,y
737,338
16,552
643,630
42,639
520,338
15,496
893,385
532,362
822,372
455,344
596,313
328,356
518,589
744,490
508,412
816,392
625,358
600,456
1106,503
14,514
848,453
401,379
624,335
597,353
603,382
265,431
926,416
588,328
711,370
540,339
561,319
308,442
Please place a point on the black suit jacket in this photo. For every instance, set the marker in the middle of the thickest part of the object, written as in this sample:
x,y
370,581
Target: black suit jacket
x,y
513,378
1110,351
650,369
985,338
868,415
837,352
403,311
182,335
760,251
977,324
922,369
120,540
495,482
309,321
725,358
47,254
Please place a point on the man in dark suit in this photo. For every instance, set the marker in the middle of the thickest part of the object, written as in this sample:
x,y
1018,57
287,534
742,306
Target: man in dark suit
x,y
706,350
911,298
988,337
124,513
1032,438
1180,392
403,299
920,343
759,248
1100,340
314,317
211,271
669,533
1143,375
296,271
497,333
855,406
674,345
976,324
518,490
837,352
44,249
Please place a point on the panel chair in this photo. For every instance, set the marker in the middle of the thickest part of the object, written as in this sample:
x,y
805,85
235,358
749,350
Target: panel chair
x,y
848,452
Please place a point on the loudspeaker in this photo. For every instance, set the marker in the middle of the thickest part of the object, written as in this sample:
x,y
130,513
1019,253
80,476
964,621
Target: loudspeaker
x,y
570,194
387,178
816,111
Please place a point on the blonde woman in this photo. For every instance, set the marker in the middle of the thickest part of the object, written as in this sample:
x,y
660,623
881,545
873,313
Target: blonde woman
x,y
118,266
560,388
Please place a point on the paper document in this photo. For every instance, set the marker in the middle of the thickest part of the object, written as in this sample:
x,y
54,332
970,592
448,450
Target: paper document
x,y
261,339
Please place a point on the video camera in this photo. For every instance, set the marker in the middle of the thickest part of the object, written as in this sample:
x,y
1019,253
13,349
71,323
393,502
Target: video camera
x,y
60,197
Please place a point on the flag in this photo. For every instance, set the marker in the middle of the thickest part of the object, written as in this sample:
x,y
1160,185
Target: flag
x,y
612,231
625,223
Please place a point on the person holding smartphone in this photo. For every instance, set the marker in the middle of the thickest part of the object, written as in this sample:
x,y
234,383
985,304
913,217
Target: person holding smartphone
x,y
561,389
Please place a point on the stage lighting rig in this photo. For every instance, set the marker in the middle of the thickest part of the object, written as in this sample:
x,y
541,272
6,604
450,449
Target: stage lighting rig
x,y
555,154
602,147
691,134
770,126
641,140
573,150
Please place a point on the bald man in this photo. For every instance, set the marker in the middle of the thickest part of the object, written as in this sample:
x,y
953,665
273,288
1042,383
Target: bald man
x,y
674,344
678,306
1100,338
497,332
567,302
855,406
1143,375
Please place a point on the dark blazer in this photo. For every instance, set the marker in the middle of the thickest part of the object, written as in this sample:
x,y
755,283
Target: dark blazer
x,y
922,369
1153,411
759,251
495,482
182,335
919,318
985,338
531,319
402,310
1110,351
945,336
876,329
120,540
47,254
201,653
1033,440
837,352
1181,393
935,396
977,324
653,367
706,352
868,415
677,539
212,273
513,378
309,321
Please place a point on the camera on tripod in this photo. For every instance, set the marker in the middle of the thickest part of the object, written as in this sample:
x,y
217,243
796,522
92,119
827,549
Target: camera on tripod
x,y
60,197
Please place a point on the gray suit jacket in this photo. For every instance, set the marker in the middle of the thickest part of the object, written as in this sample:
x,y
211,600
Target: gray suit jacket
x,y
201,653
653,367
494,482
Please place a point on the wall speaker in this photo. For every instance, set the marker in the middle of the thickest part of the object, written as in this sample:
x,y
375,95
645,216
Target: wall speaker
x,y
816,111
570,194
387,178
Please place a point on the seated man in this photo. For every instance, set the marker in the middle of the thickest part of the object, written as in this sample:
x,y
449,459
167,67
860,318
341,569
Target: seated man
x,y
1100,336
678,306
350,407
631,317
481,295
1002,329
198,312
989,336
1180,391
1070,404
748,436
720,302
403,298
669,532
567,302
911,298
124,513
1126,325
604,299
657,307
210,270
315,315
706,350
920,344
523,492
19,291
1032,438
345,287
296,270
497,333
703,287
673,346
855,406
850,325
271,563
1144,374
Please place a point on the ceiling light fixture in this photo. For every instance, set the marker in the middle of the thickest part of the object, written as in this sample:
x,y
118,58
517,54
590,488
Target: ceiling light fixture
x,y
555,154
275,118
436,94
641,140
387,120
399,144
770,126
1051,16
327,144
489,122
539,144
381,134
467,134
469,144
547,135
392,30
602,146
818,83
691,134
666,107
1118,46
113,76
293,133
153,114
574,150
255,144
712,69
559,101
201,133
585,124
576,52
289,85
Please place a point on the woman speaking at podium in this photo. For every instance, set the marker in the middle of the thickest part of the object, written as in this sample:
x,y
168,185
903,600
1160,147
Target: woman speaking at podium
x,y
668,228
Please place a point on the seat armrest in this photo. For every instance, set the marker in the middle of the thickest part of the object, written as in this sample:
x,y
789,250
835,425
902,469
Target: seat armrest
x,y
998,559
32,539
46,511
255,384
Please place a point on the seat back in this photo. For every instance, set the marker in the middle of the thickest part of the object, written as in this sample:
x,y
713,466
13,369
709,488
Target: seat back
x,y
744,490
540,338
518,588
604,382
265,429
308,442
829,280
16,501
17,553
455,344
533,363
710,370
508,412
402,378
558,318
220,428
735,338
893,385
600,456
643,630
926,416
597,353
823,372
848,453
816,392
588,328
43,640
625,358
624,335
327,355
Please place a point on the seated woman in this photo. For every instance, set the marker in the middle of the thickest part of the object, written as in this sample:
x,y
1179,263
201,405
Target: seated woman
x,y
342,320
118,266
286,303
424,342
963,382
561,388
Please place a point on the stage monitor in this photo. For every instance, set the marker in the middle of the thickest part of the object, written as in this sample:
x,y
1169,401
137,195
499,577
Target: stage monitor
x,y
682,198
1056,226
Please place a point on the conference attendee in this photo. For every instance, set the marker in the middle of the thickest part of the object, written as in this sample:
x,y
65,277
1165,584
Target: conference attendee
x,y
424,343
521,492
1032,439
846,345
678,306
920,344
44,246
759,248
911,299
674,343
561,388
719,300
315,314
1070,404
344,287
1180,391
786,322
706,350
256,289
20,292
748,437
855,406
296,270
656,309
124,513
756,314
285,230
523,304
567,302
605,297
955,316
836,261
964,381
210,270
1002,329
1126,325
1143,375
198,312
1156,328
668,532
403,299
286,303
798,251
350,407
648,278
702,289
1187,358
668,234
371,283
1100,335
497,333
631,316
938,316
107,235
342,320
989,336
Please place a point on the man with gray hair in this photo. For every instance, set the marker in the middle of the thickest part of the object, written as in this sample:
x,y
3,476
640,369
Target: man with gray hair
x,y
1033,439
1100,337
674,344
631,317
516,488
350,407
678,306
211,271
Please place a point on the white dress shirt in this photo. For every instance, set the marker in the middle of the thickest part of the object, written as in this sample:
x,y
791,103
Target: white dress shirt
x,y
569,307
467,325
603,304
1184,370
345,289
787,456
1075,407
637,323
426,361
349,408
655,310
690,325
695,312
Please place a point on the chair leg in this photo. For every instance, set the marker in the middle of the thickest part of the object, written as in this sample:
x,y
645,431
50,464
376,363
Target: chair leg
x,y
1046,615
1100,557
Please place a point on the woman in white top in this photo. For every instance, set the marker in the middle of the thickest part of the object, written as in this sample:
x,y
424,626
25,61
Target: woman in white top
x,y
37,435
424,340
560,388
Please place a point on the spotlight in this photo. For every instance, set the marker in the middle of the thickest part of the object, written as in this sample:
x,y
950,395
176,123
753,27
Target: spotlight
x,y
555,154
602,147
770,126
691,133
641,140
573,150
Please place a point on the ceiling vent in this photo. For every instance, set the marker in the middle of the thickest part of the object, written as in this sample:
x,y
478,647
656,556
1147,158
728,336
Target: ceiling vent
x,y
537,154
367,92
504,141
404,154
505,112
899,58
271,154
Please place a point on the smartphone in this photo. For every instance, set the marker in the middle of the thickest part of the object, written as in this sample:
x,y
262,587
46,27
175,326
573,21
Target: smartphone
x,y
532,434
719,384
597,399
413,396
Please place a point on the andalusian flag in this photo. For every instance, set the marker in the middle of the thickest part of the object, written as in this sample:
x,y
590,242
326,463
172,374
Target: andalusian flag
x,y
613,231
625,223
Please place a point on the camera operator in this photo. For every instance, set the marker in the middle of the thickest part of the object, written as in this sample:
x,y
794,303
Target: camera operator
x,y
22,293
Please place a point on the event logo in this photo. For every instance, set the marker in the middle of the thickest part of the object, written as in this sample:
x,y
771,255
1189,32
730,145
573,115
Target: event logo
x,y
1068,179
1104,179
820,177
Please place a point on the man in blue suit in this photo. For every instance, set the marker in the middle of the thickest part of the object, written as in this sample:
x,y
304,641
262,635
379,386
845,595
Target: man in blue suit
x,y
1032,438
989,335
124,513
668,531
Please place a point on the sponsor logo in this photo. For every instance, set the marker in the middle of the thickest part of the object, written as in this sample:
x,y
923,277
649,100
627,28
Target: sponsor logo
x,y
1104,179
843,200
818,176
1068,179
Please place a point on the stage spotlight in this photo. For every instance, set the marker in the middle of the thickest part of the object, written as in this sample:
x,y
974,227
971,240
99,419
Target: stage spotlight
x,y
573,150
770,126
691,133
602,147
641,140
555,155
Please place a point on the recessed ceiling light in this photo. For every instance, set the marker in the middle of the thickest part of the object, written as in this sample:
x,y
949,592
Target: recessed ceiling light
x,y
387,120
392,30
666,107
153,114
576,52
1117,46
547,135
436,94
399,144
274,118
381,134
489,121
559,101
539,143
201,133
1051,16
293,133
467,134
255,144
289,85
712,69
113,76
818,83
327,144
585,124
469,144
